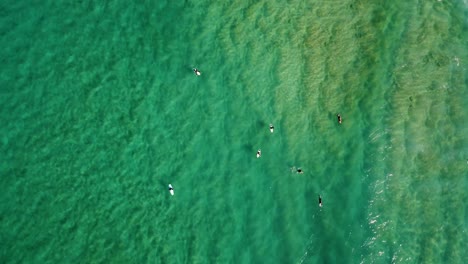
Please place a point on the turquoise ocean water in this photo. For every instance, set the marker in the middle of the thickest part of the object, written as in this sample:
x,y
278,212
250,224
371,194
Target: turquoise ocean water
x,y
100,111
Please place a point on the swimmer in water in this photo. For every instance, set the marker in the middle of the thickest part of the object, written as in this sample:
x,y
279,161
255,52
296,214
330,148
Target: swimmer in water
x,y
339,118
320,201
299,170
272,128
196,71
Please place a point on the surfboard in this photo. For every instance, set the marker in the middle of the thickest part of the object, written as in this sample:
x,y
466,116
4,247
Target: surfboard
x,y
171,190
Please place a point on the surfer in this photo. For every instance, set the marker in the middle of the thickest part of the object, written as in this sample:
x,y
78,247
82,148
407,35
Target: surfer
x,y
170,188
196,71
272,128
320,201
259,153
339,118
299,170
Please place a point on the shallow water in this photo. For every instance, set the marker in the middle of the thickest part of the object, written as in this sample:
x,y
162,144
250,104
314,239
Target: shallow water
x,y
101,111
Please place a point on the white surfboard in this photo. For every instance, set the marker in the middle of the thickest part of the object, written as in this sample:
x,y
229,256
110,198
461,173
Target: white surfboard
x,y
259,154
272,128
171,190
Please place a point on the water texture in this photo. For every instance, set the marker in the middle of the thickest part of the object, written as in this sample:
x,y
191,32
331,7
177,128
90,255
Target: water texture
x,y
100,111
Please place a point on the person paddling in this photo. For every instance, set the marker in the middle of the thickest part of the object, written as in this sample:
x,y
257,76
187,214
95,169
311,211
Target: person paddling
x,y
320,201
339,118
197,72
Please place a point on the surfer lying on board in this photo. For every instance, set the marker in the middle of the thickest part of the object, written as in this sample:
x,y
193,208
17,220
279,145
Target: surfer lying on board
x,y
339,118
320,201
196,71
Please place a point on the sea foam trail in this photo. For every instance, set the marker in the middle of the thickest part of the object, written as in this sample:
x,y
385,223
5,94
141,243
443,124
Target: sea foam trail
x,y
418,171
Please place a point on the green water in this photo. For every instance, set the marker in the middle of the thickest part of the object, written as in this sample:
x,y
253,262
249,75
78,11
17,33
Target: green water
x,y
100,111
